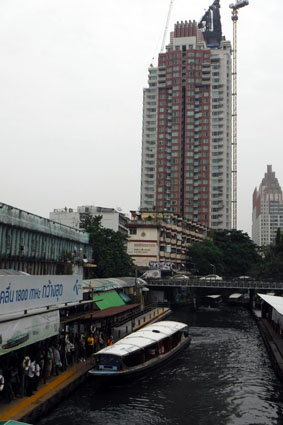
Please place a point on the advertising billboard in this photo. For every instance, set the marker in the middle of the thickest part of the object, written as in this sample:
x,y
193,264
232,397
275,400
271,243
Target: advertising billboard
x,y
19,293
19,333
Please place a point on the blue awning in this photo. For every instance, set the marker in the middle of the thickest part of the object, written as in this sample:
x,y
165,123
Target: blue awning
x,y
125,297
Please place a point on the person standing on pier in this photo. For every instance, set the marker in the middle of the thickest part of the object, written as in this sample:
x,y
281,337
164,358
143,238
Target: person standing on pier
x,y
57,360
30,384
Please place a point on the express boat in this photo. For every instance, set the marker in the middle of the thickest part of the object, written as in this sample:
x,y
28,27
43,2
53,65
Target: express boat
x,y
13,342
142,350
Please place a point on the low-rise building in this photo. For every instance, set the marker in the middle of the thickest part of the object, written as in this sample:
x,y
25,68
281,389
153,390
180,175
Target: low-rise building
x,y
111,218
162,237
36,245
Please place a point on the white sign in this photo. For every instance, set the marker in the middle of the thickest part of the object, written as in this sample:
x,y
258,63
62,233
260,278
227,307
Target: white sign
x,y
20,293
28,330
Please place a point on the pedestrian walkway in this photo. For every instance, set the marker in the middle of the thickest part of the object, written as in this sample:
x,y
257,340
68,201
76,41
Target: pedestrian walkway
x,y
22,408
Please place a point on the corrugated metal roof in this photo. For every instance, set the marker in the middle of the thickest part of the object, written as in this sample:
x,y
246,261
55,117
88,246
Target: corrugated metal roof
x,y
113,283
100,314
275,302
107,300
109,312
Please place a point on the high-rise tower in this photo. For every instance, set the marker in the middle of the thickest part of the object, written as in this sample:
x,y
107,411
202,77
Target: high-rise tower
x,y
186,140
267,209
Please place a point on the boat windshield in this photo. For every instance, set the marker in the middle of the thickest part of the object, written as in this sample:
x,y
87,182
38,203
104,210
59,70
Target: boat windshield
x,y
107,361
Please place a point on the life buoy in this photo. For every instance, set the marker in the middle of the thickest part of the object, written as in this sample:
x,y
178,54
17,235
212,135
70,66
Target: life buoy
x,y
92,328
26,363
2,382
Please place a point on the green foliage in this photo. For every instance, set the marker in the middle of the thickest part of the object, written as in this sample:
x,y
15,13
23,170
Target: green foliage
x,y
272,266
240,255
228,253
66,255
109,250
204,255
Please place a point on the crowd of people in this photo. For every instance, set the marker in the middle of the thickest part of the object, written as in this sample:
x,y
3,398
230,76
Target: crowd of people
x,y
21,371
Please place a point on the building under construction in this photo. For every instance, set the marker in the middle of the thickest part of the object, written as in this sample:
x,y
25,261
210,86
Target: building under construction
x,y
187,125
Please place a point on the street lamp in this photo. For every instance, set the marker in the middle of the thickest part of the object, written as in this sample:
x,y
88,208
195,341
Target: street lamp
x,y
213,268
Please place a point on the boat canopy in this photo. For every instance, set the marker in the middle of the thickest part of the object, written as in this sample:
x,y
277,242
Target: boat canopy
x,y
235,296
214,297
142,338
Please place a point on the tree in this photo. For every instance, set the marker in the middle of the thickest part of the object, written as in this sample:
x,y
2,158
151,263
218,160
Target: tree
x,y
240,256
272,265
109,250
206,256
227,252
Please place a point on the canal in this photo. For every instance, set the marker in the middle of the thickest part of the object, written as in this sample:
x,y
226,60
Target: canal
x,y
224,378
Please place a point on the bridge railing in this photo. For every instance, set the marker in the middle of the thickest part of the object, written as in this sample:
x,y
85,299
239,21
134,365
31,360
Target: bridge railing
x,y
225,283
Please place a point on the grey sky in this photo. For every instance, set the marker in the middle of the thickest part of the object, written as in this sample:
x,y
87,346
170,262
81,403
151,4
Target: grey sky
x,y
71,79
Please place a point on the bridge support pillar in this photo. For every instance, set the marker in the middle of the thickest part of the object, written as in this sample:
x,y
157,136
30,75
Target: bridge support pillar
x,y
252,298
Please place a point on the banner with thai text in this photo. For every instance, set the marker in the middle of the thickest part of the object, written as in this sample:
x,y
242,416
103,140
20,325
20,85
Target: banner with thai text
x,y
19,333
19,293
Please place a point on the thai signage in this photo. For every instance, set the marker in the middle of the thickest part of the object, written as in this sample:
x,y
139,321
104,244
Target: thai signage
x,y
142,248
16,334
20,293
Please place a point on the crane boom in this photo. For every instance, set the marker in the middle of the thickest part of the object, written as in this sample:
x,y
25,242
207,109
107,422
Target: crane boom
x,y
166,26
235,7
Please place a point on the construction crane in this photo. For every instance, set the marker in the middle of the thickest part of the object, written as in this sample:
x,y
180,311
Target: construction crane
x,y
166,26
235,7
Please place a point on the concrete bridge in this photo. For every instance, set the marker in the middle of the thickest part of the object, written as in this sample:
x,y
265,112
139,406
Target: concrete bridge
x,y
220,284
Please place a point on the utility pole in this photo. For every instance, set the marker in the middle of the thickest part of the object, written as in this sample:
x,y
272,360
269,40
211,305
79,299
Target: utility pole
x,y
235,7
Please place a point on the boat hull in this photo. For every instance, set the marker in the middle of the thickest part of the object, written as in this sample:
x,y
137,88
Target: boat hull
x,y
112,377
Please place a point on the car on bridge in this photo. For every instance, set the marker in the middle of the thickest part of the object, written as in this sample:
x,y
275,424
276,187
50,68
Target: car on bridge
x,y
211,277
180,276
243,278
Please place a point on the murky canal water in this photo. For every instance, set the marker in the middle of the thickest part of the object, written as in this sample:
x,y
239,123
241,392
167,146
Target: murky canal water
x,y
224,378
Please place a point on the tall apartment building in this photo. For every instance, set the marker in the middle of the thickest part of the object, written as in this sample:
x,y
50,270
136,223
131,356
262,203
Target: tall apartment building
x,y
267,209
186,137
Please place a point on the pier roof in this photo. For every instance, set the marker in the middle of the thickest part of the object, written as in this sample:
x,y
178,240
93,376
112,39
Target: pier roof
x,y
274,301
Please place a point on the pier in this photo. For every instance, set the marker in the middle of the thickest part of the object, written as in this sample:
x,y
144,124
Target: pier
x,y
29,409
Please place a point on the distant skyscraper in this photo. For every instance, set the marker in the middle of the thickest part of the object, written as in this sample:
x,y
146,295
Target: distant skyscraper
x,y
186,138
267,209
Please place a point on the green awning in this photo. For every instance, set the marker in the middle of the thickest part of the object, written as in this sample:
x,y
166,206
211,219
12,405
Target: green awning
x,y
107,300
125,297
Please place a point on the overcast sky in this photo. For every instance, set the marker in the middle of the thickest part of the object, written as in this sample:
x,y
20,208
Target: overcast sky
x,y
72,74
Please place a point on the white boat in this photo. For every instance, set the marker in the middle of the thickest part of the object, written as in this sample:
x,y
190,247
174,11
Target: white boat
x,y
142,350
